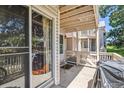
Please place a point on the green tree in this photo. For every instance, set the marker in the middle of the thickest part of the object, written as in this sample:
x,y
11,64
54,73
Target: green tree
x,y
116,20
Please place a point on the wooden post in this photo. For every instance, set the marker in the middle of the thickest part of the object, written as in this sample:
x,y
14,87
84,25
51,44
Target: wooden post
x,y
77,53
88,34
97,45
77,40
72,41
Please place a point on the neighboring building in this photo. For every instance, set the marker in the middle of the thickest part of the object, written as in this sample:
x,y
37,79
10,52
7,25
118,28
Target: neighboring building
x,y
33,41
86,41
102,36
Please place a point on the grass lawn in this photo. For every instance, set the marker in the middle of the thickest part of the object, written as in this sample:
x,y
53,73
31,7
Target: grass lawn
x,y
116,50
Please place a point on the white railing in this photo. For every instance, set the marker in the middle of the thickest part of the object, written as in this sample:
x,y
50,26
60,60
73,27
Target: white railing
x,y
92,33
88,33
69,53
13,62
73,34
108,56
105,56
84,49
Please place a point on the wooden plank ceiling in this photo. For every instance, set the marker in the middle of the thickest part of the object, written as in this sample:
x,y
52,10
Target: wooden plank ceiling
x,y
77,17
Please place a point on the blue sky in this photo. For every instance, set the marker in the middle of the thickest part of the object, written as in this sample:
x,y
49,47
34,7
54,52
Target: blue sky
x,y
107,26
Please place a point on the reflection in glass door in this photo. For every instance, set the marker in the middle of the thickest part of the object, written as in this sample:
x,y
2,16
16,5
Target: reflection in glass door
x,y
41,49
14,50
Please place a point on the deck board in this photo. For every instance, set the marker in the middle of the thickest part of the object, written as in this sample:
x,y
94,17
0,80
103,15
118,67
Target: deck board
x,y
83,79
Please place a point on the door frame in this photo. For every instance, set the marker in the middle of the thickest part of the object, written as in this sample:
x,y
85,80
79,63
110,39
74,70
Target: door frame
x,y
53,18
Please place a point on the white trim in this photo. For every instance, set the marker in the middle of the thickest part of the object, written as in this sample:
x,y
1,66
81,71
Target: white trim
x,y
30,45
44,11
9,54
13,47
54,49
46,84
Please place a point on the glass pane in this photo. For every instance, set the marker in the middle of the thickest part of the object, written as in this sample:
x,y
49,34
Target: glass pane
x,y
85,44
61,44
41,48
13,26
13,39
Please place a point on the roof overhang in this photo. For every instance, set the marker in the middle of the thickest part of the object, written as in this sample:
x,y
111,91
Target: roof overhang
x,y
75,18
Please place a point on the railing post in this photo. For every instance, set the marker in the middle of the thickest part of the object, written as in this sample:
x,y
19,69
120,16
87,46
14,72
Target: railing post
x,y
97,45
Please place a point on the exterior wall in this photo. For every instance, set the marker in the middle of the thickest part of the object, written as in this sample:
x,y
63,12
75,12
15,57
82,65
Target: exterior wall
x,y
85,35
69,44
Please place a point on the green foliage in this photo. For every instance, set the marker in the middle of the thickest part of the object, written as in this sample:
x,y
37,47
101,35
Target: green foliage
x,y
115,49
116,20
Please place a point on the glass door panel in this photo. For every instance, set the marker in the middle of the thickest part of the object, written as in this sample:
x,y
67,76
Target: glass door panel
x,y
41,49
13,46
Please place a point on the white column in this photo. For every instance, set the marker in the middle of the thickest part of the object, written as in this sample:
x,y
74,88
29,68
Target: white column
x,y
73,42
77,40
30,45
97,45
88,32
77,53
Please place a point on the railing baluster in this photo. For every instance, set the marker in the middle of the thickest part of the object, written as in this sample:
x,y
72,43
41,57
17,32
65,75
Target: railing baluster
x,y
18,62
109,57
12,65
7,64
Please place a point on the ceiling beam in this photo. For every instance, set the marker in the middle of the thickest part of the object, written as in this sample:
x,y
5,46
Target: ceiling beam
x,y
68,8
95,8
81,21
79,16
81,28
76,12
77,25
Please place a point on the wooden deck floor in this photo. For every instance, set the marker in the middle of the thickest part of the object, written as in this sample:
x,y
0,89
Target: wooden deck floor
x,y
76,77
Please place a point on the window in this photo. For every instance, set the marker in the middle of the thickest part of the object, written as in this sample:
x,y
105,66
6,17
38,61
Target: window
x,y
85,44
61,44
13,45
13,31
41,49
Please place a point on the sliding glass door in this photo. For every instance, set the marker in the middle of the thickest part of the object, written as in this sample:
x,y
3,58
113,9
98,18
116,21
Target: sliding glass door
x,y
14,54
41,49
14,47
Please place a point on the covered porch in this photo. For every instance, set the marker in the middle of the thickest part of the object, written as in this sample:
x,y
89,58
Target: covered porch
x,y
75,19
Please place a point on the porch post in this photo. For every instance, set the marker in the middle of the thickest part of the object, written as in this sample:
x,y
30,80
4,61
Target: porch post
x,y
30,47
97,45
88,34
77,40
72,41
77,53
